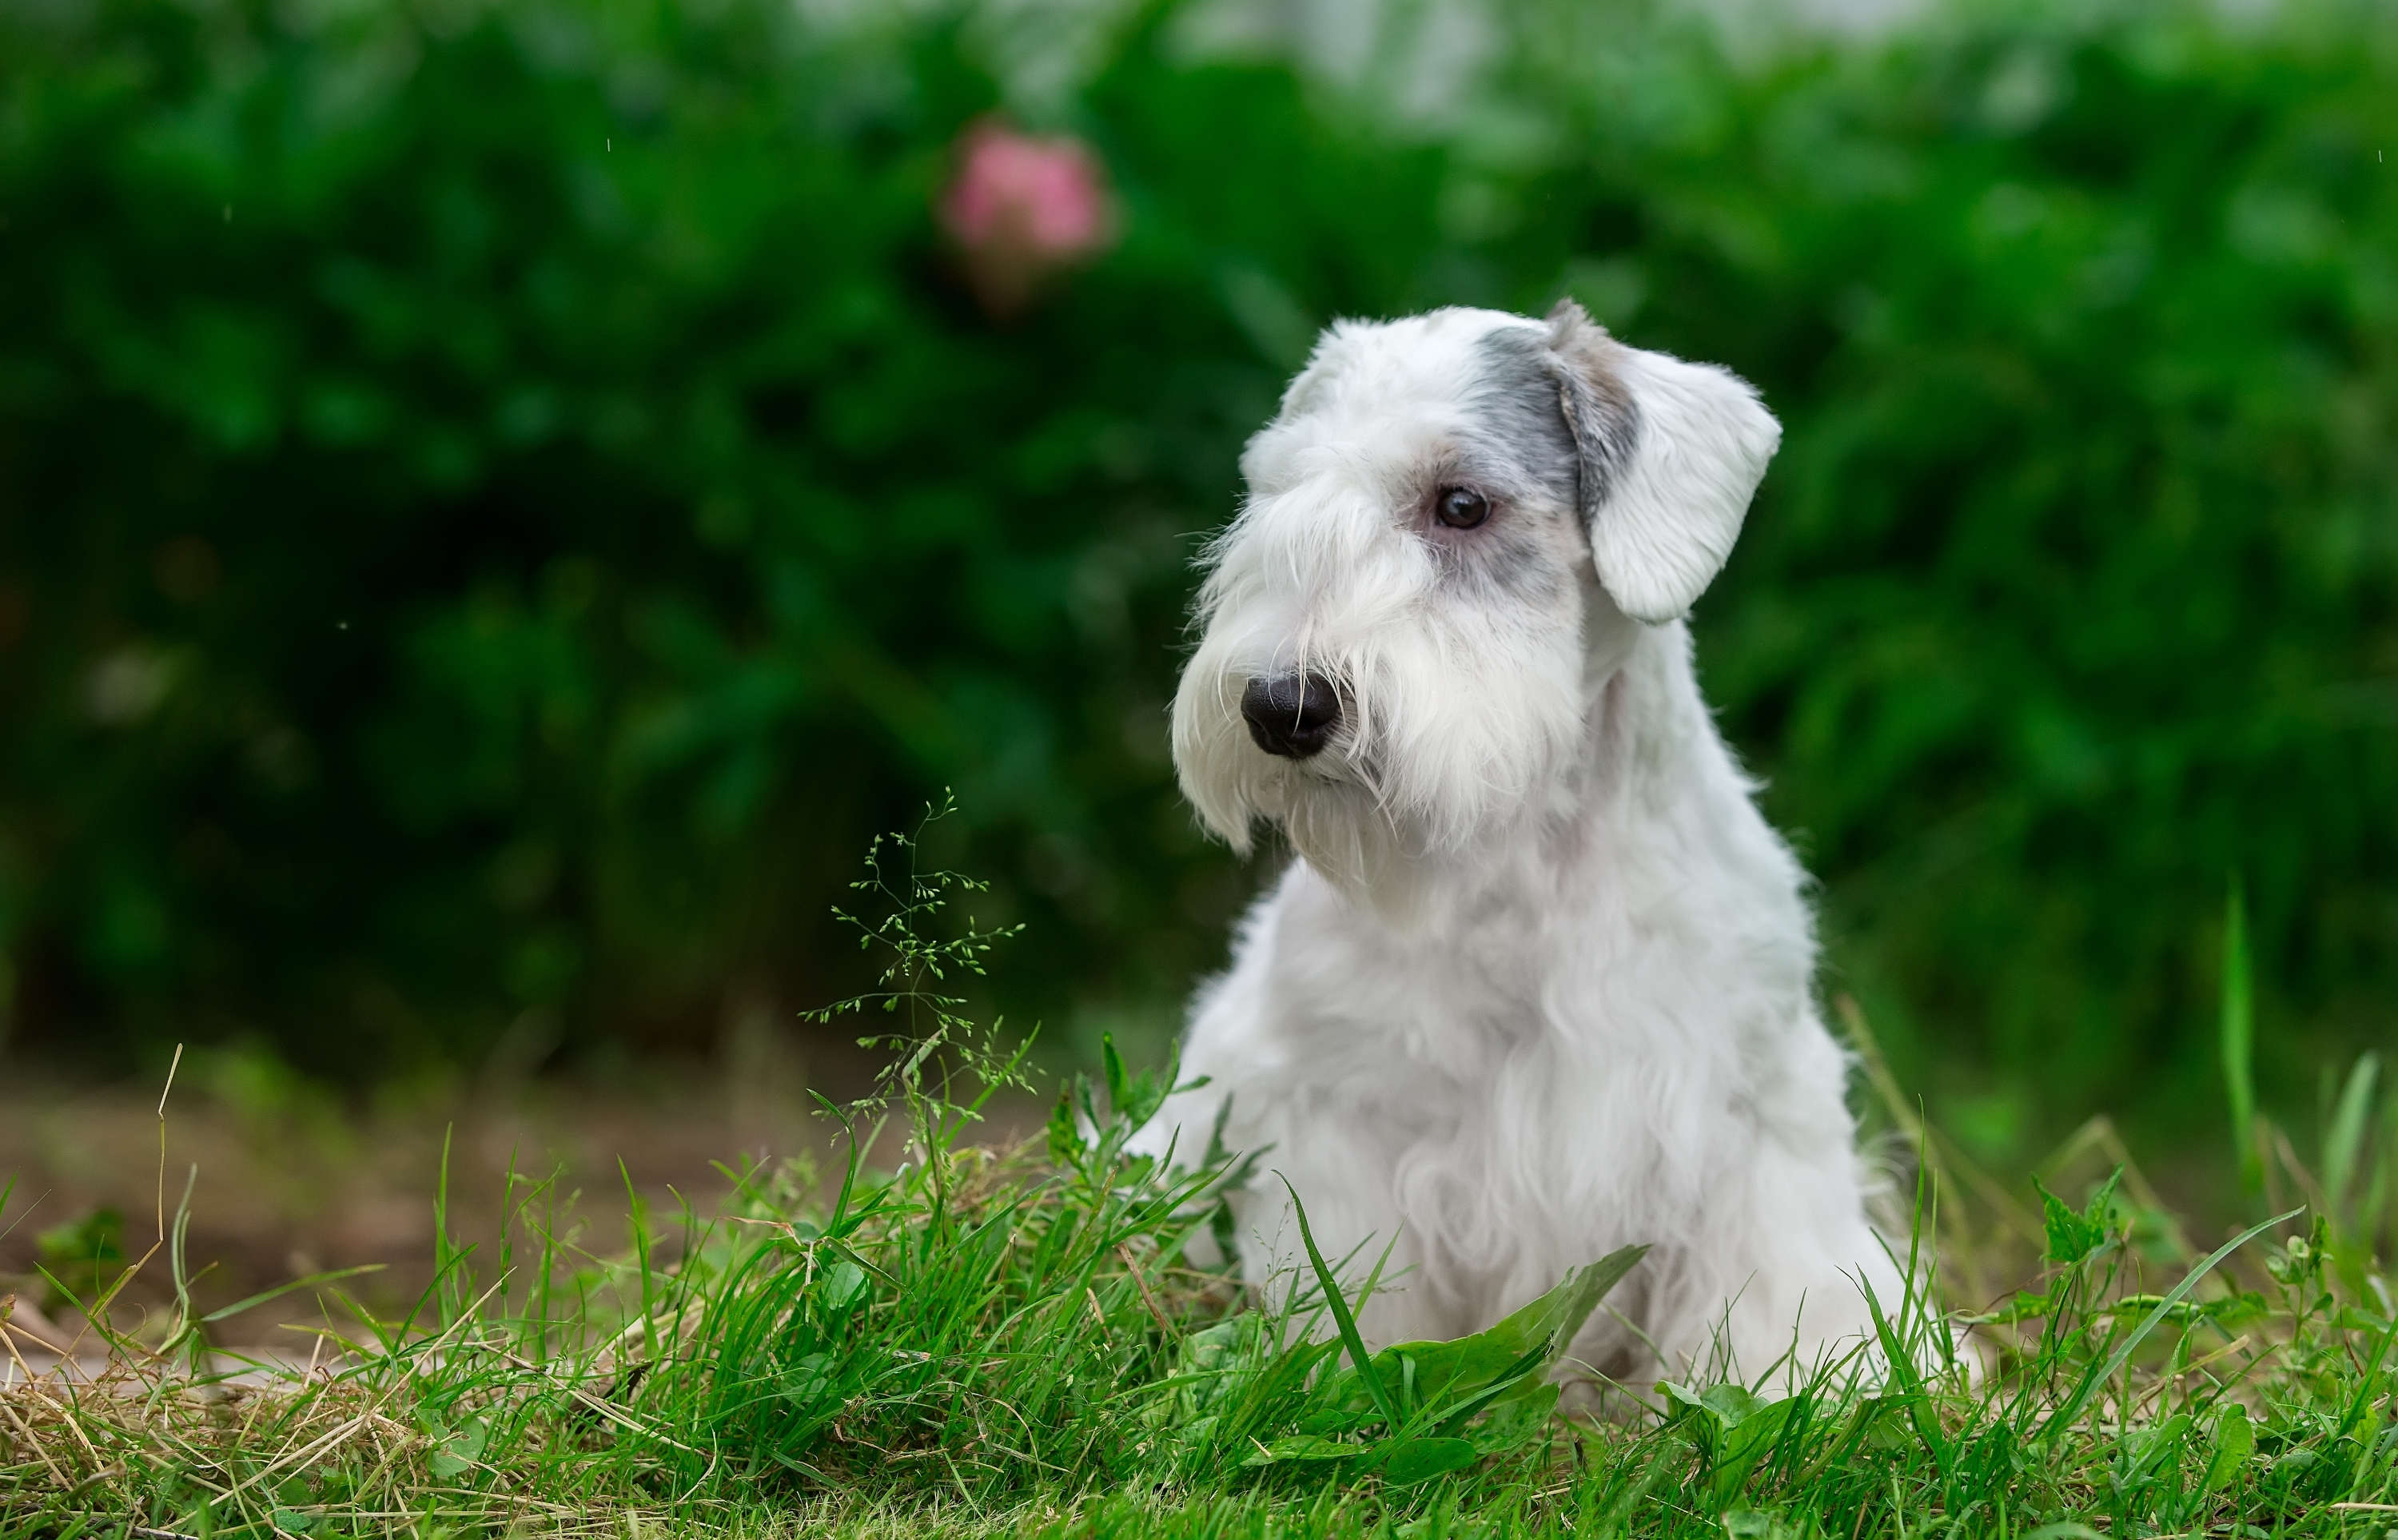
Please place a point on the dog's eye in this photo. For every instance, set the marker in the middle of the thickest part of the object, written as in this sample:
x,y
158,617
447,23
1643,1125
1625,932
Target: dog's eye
x,y
1461,507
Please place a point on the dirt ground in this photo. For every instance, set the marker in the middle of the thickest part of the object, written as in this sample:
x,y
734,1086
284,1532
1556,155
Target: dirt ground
x,y
287,1178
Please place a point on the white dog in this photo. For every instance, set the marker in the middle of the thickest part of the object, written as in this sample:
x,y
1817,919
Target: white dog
x,y
1541,984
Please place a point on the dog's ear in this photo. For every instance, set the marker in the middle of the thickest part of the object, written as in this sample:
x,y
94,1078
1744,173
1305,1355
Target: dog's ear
x,y
1671,453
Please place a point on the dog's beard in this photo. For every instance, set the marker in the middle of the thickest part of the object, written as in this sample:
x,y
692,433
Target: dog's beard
x,y
1449,752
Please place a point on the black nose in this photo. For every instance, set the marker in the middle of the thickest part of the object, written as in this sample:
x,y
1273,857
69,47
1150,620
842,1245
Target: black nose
x,y
1293,716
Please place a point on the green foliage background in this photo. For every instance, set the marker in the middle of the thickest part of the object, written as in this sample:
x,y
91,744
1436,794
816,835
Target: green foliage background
x,y
498,502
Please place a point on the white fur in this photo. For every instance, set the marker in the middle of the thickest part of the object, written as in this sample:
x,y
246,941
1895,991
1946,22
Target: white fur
x,y
1705,443
1541,984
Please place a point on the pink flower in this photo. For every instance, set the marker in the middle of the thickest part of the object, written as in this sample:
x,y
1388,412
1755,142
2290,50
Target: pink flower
x,y
1021,208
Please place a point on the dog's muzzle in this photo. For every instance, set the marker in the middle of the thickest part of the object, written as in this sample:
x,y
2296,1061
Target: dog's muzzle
x,y
1293,716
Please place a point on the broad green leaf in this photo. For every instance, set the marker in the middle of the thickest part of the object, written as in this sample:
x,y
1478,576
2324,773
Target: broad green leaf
x,y
844,1281
1735,1428
459,1449
1446,1372
2235,1442
1304,1446
2073,1236
1514,1420
1732,1404
1887,1426
1744,1439
1407,1461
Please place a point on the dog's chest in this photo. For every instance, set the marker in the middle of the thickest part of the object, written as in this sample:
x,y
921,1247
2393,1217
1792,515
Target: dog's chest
x,y
1403,1021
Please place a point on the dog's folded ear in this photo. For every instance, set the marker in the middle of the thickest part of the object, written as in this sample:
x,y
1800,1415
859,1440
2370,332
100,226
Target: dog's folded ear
x,y
1671,453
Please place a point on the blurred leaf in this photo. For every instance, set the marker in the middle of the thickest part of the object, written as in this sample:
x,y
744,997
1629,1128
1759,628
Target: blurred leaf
x,y
2344,1141
2239,1040
81,1258
2235,1441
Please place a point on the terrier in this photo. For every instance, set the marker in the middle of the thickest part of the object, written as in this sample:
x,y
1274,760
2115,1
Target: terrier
x,y
1540,984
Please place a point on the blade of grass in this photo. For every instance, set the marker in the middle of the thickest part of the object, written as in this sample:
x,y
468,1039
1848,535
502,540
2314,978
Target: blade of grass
x,y
638,1214
1338,1305
2237,1032
2122,1355
2345,1141
163,1092
280,1290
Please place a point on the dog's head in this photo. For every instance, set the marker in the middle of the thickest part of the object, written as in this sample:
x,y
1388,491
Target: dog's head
x,y
1453,525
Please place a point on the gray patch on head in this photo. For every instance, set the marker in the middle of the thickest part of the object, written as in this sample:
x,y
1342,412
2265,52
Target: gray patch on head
x,y
1523,449
1516,401
1513,557
1601,413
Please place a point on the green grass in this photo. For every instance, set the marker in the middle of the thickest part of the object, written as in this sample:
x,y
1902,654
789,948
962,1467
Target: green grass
x,y
1013,1342
1008,1342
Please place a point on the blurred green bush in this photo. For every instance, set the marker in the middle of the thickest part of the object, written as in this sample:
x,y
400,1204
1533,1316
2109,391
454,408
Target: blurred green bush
x,y
497,502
